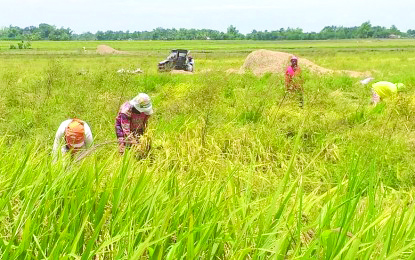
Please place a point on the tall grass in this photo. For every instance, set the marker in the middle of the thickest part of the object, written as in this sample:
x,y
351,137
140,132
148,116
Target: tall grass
x,y
236,171
124,208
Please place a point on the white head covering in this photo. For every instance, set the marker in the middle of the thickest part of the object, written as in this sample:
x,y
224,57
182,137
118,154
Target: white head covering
x,y
142,103
366,81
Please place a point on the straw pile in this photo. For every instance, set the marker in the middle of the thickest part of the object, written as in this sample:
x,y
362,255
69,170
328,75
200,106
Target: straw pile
x,y
263,61
105,49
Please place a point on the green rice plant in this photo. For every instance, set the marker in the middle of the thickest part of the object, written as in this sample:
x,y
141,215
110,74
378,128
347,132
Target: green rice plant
x,y
236,170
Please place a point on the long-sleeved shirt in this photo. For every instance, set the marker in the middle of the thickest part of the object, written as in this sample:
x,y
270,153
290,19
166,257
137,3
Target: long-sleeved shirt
x,y
130,121
60,141
385,89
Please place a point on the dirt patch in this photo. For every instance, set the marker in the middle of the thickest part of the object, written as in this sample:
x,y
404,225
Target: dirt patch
x,y
181,72
263,61
126,71
205,71
105,49
355,74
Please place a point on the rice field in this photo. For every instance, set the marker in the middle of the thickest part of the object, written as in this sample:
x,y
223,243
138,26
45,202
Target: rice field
x,y
236,169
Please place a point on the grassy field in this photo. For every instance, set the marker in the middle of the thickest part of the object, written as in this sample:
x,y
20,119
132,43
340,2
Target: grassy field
x,y
236,171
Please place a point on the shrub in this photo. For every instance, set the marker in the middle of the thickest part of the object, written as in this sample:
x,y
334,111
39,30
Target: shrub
x,y
27,45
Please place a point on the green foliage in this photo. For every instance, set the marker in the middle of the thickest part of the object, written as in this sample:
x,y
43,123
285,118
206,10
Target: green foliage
x,y
236,171
33,33
27,45
21,45
50,32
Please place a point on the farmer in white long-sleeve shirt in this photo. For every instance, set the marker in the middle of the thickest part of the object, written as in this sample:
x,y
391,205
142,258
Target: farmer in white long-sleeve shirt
x,y
190,63
72,136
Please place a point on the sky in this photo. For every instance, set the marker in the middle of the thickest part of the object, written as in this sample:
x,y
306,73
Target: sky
x,y
137,15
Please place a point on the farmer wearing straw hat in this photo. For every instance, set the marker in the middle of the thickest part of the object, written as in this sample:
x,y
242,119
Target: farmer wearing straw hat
x,y
293,79
75,134
131,121
384,89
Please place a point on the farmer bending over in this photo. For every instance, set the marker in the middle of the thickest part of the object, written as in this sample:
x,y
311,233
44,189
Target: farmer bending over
x,y
384,89
73,135
131,121
293,79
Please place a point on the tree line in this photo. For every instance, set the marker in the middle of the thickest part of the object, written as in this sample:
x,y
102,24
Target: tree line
x,y
50,32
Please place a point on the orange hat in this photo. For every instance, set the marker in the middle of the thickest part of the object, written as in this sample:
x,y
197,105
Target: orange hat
x,y
75,134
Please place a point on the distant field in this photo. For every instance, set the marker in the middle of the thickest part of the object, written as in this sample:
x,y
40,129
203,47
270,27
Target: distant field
x,y
242,46
361,55
236,170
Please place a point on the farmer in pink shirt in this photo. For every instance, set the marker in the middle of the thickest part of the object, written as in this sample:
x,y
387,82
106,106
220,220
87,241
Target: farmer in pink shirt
x,y
131,121
293,79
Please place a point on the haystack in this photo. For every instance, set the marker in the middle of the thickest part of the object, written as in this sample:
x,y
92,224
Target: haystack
x,y
105,49
263,61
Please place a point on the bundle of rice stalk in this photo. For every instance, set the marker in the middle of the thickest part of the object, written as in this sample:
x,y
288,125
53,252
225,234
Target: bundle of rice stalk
x,y
142,148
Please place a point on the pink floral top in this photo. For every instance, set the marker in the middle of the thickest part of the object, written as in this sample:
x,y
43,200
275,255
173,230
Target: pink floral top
x,y
130,121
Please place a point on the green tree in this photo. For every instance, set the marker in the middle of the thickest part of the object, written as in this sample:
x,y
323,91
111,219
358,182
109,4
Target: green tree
x,y
45,30
365,30
233,34
394,30
15,33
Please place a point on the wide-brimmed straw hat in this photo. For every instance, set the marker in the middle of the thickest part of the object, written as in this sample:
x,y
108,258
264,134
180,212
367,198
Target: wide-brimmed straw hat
x,y
142,102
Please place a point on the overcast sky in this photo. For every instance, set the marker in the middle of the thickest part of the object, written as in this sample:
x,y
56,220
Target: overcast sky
x,y
138,15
